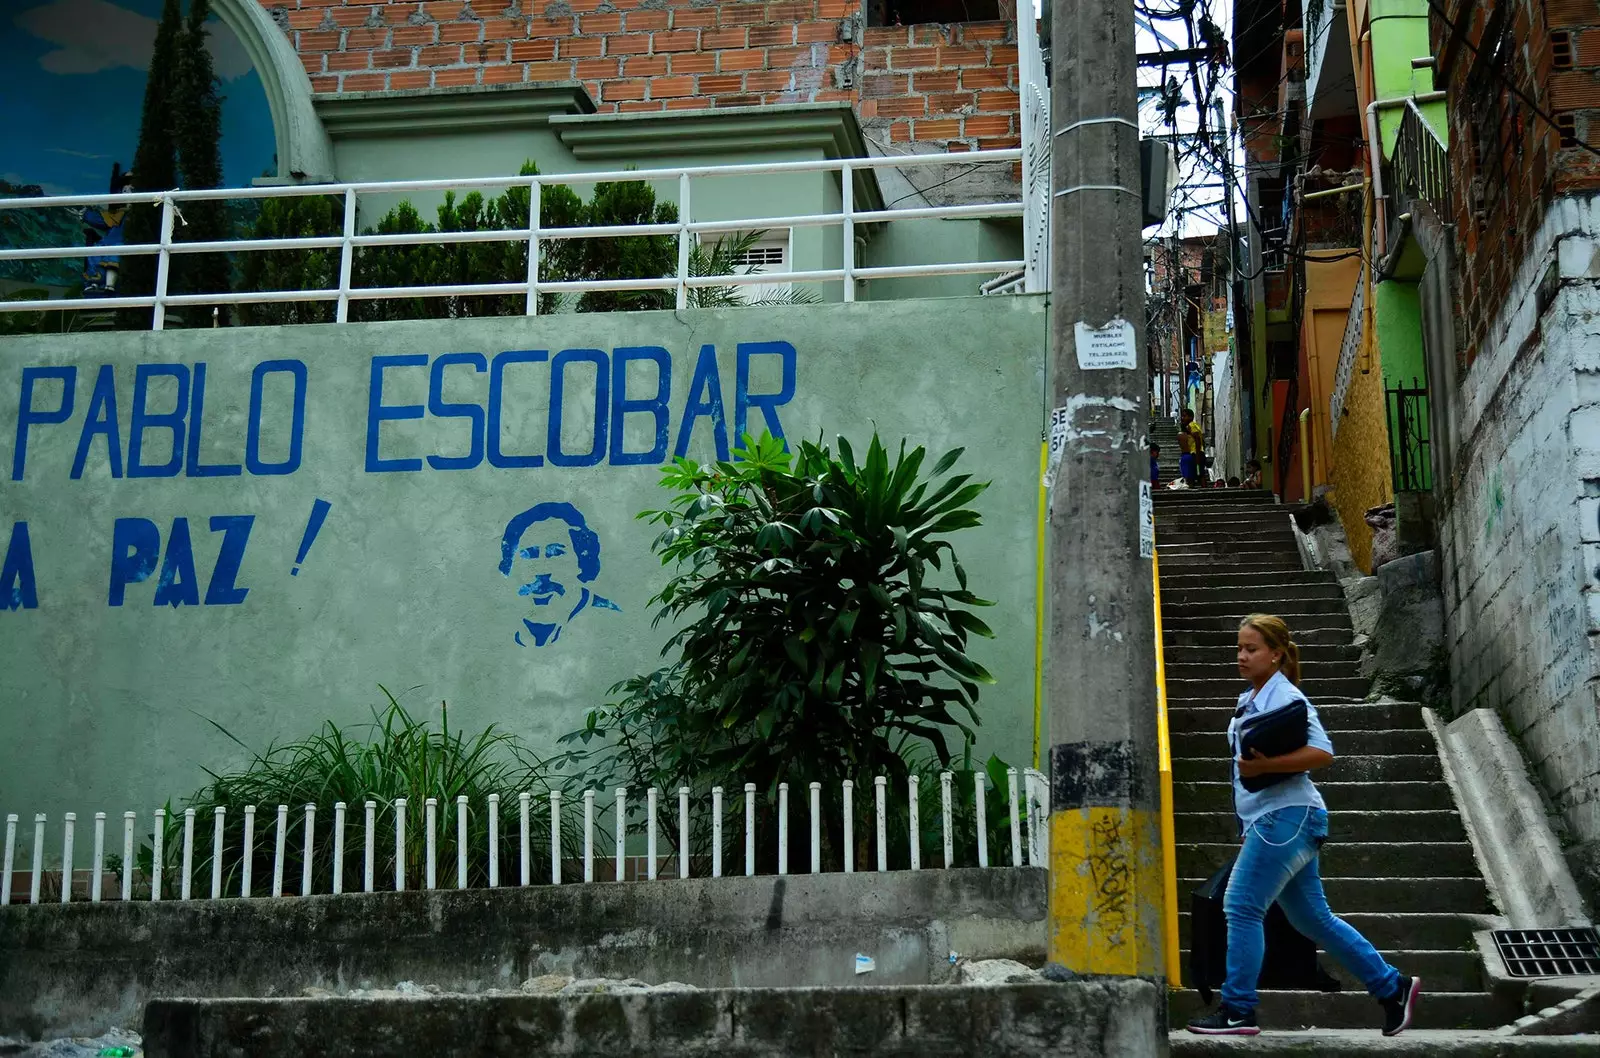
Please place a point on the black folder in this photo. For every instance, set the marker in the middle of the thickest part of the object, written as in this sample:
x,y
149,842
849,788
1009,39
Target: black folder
x,y
1272,734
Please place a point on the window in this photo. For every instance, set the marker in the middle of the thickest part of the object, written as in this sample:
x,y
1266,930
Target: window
x,y
1567,125
1497,117
913,12
770,254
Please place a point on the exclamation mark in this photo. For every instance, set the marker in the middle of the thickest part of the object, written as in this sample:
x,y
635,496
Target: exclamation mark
x,y
319,511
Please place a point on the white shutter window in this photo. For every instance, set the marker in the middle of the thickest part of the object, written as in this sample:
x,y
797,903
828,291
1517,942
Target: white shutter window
x,y
771,254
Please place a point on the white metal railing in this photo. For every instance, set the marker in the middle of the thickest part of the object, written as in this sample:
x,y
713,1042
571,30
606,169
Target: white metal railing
x,y
686,229
1349,348
1026,814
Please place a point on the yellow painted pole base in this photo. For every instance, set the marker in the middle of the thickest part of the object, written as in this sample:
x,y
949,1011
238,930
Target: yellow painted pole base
x,y
1106,907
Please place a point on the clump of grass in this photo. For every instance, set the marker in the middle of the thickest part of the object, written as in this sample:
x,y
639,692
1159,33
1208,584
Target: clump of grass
x,y
396,755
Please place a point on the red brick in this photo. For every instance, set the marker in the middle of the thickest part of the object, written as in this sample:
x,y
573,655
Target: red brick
x,y
460,32
839,54
582,47
1004,143
910,106
512,74
936,81
365,38
601,69
789,11
742,14
723,84
969,32
675,40
743,59
885,86
816,32
1007,101
789,58
504,29
549,71
443,10
455,78
639,106
957,146
694,18
950,102
313,63
552,27
833,96
645,66
694,62
533,51
985,78
594,25
941,129
488,52
766,35
646,21
307,19
988,125
949,57
1003,55
363,82
351,16
671,87
886,36
930,33
900,132
767,80
407,36
690,103
324,84
726,37
349,60
409,80
913,58
838,8
737,101
628,44
440,55
619,90
319,41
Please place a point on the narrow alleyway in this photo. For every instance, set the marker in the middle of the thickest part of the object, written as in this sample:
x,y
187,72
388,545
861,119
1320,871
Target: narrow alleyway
x,y
1398,865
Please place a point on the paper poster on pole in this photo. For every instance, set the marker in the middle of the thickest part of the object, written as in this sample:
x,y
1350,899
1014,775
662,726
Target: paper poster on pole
x,y
1106,348
1058,445
1147,521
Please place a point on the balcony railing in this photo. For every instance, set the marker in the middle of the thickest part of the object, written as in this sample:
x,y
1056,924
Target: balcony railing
x,y
529,285
1421,163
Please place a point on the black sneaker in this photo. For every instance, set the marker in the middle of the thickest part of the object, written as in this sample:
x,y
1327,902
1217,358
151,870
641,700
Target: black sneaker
x,y
1225,1022
1398,1008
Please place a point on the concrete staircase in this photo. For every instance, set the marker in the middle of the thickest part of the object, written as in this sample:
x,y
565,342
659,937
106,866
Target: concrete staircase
x,y
1164,432
1397,865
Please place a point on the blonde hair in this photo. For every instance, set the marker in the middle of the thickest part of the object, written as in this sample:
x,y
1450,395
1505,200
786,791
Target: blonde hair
x,y
1275,634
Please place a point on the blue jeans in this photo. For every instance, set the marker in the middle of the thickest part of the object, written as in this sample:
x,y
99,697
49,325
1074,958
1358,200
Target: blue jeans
x,y
1279,863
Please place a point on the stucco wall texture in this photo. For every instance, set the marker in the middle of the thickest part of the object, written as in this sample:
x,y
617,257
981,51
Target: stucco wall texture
x,y
1520,528
182,586
1361,474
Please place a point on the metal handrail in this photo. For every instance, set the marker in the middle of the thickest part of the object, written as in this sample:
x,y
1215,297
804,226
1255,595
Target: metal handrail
x,y
530,286
1169,835
1421,161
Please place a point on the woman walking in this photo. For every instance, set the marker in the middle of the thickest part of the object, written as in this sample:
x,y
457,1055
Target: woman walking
x,y
1285,823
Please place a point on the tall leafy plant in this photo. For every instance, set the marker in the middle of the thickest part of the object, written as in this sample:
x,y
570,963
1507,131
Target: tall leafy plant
x,y
823,618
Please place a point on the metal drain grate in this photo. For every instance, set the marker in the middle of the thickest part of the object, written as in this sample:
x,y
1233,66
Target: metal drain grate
x,y
1549,952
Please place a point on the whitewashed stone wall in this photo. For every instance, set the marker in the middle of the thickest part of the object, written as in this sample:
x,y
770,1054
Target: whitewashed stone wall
x,y
1520,526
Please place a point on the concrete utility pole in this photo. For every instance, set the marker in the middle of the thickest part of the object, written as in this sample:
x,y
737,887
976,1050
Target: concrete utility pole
x,y
1105,853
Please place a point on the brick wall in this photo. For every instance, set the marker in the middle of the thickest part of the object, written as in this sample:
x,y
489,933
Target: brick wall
x,y
954,86
1493,241
1520,525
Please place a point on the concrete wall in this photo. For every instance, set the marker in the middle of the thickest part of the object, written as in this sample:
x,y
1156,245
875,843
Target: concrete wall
x,y
1519,528
1102,1018
1361,477
106,686
83,968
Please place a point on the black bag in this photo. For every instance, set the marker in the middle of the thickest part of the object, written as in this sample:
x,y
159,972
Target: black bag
x,y
1290,962
1273,733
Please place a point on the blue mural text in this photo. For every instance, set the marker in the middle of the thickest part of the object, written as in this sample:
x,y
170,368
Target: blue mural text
x,y
137,552
166,424
18,590
575,408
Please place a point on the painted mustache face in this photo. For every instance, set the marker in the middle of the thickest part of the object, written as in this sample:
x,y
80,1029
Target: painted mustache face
x,y
542,590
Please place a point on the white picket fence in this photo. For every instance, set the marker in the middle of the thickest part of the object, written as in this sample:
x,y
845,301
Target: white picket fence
x,y
1027,800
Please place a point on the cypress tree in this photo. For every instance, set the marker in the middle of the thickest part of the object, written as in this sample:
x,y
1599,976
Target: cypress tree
x,y
154,161
197,135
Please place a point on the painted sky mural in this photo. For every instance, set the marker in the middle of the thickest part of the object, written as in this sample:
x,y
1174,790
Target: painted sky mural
x,y
74,84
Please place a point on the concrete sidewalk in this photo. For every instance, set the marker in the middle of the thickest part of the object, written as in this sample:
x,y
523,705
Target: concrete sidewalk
x,y
1358,1043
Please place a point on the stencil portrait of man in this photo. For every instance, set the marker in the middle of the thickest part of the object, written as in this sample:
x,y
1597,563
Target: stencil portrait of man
x,y
552,556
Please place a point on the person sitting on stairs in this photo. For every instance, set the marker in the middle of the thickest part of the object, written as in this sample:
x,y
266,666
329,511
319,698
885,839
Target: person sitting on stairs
x,y
1285,825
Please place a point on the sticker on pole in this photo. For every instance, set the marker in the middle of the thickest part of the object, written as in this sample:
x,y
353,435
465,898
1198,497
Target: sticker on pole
x,y
1147,522
1058,445
1106,348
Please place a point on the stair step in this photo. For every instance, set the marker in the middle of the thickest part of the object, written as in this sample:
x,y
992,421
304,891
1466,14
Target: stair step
x,y
1223,578
1225,553
1217,796
1404,862
1213,745
1227,638
1293,616
1415,767
1418,930
1223,670
1338,1010
1393,896
1337,716
1348,825
1450,971
1250,593
1240,497
1314,687
1226,653
1269,600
